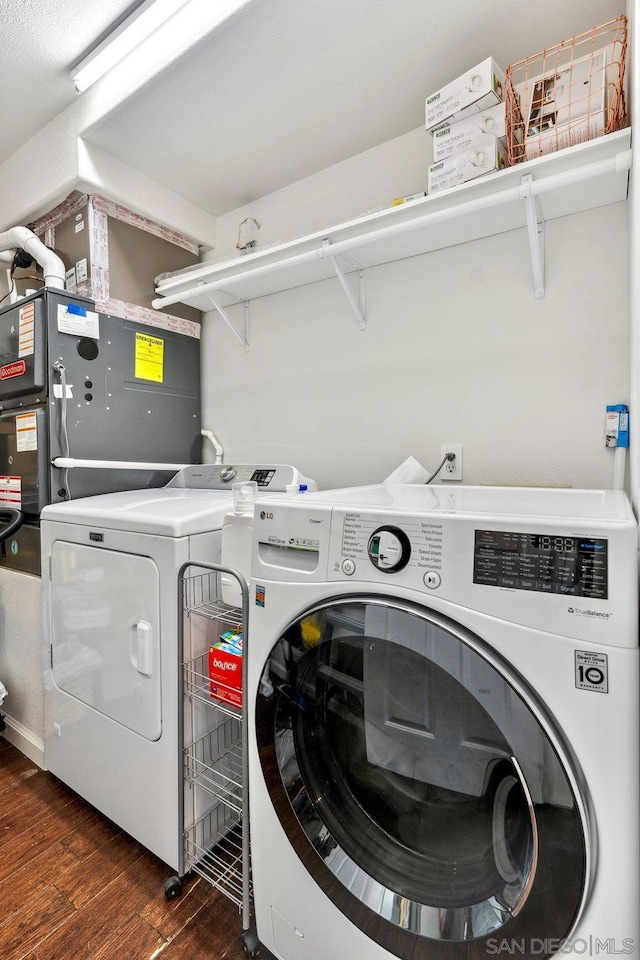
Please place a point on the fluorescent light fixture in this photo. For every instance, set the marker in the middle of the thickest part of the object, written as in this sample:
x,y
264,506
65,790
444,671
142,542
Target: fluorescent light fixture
x,y
146,18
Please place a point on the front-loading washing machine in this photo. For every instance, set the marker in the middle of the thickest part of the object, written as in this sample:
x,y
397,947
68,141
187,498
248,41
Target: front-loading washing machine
x,y
444,724
112,669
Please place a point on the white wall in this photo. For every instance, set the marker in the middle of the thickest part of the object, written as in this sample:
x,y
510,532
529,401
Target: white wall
x,y
457,348
359,185
633,56
21,660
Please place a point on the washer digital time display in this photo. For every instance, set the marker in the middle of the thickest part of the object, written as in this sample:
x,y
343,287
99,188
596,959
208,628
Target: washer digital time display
x,y
546,563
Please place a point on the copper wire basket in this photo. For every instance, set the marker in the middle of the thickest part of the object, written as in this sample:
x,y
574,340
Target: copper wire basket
x,y
567,94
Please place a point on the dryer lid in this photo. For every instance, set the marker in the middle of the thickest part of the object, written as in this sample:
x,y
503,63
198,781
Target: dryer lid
x,y
194,501
163,512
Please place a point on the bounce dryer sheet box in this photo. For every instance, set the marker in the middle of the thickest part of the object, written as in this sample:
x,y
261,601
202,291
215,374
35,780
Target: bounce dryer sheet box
x,y
565,106
487,156
476,90
225,670
465,133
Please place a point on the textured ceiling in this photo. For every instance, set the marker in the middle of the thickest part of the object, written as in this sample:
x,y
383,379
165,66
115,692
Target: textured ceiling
x,y
276,94
42,40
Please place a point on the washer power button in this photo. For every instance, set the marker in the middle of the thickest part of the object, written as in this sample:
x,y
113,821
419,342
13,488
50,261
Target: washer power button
x,y
348,567
432,580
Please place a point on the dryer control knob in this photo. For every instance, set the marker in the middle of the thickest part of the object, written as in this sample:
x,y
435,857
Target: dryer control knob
x,y
227,473
389,549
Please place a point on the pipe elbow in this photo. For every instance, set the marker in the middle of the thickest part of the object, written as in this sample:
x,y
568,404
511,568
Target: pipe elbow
x,y
217,446
52,266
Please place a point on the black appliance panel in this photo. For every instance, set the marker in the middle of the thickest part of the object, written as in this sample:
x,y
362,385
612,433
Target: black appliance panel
x,y
573,566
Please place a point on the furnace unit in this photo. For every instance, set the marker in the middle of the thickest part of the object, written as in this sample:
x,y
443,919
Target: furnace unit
x,y
80,384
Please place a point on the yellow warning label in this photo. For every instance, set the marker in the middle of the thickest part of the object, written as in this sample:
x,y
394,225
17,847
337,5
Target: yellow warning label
x,y
149,363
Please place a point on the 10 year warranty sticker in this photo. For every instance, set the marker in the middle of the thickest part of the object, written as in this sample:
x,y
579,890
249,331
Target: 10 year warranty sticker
x,y
592,672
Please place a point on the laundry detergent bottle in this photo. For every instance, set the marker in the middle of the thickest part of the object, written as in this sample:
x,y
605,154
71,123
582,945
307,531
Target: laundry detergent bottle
x,y
237,537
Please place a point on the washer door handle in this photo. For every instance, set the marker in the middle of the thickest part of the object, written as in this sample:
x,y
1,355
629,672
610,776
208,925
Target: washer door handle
x,y
141,652
535,847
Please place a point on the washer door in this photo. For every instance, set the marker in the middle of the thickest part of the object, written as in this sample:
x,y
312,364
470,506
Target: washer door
x,y
425,778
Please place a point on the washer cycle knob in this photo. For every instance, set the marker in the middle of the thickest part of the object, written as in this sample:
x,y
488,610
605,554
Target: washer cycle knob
x,y
389,549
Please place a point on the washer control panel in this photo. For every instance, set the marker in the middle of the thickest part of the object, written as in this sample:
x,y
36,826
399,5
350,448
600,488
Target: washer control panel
x,y
364,544
574,575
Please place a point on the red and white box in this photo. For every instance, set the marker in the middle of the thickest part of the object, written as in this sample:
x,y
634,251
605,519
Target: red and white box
x,y
225,674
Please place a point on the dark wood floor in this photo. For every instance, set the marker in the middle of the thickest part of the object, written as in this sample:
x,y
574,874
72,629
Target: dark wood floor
x,y
74,886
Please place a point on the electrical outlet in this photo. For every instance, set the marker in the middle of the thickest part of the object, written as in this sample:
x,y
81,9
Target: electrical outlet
x,y
452,470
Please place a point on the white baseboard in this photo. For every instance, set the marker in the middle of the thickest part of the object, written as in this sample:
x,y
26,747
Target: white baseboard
x,y
25,740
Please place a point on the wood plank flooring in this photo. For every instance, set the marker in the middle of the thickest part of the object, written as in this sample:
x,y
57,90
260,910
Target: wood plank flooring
x,y
73,886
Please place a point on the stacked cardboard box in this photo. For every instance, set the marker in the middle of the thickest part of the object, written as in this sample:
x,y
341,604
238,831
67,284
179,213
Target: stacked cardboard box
x,y
467,121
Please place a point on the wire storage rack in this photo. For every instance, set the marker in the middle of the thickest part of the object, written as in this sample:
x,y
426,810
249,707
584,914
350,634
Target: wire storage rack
x,y
215,807
567,94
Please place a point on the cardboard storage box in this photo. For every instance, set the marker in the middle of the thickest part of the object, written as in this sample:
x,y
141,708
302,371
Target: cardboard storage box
x,y
487,156
476,90
465,133
113,256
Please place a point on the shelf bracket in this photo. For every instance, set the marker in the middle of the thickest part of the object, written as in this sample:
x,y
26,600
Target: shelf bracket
x,y
242,337
358,306
535,229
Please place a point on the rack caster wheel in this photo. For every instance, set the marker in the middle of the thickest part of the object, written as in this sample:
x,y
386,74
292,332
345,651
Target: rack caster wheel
x,y
172,888
250,943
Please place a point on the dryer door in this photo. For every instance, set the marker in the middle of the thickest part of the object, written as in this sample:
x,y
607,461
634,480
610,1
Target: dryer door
x,y
105,633
426,779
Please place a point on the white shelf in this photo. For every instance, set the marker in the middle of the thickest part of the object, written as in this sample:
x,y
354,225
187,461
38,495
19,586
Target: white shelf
x,y
579,178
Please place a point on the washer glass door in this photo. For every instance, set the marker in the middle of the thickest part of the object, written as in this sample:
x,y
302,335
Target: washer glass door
x,y
427,779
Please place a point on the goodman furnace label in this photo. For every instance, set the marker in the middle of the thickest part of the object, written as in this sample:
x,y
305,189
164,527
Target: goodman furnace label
x,y
11,491
26,330
26,432
78,322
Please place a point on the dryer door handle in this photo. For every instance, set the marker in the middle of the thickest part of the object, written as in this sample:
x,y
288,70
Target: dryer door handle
x,y
141,652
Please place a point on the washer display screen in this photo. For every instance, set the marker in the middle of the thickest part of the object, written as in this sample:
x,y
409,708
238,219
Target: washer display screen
x,y
546,563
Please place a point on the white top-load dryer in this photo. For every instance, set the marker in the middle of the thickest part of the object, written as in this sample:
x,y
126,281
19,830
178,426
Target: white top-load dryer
x,y
112,678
